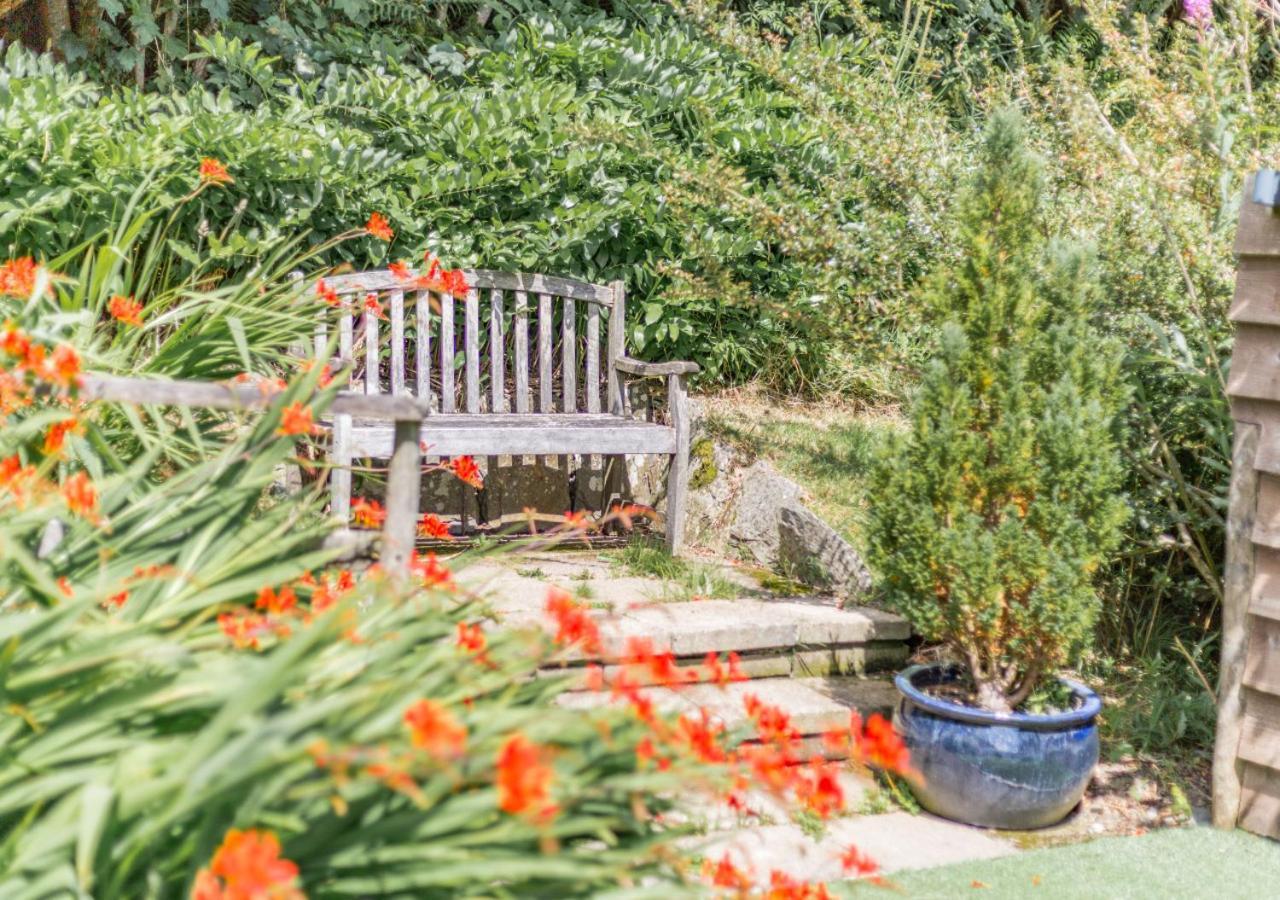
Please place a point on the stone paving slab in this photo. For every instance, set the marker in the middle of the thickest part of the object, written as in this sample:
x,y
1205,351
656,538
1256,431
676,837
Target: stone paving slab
x,y
764,808
815,705
897,841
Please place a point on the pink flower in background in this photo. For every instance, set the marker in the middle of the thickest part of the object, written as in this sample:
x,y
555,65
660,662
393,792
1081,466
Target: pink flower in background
x,y
1198,12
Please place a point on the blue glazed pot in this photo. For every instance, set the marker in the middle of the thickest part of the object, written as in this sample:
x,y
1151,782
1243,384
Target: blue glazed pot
x,y
1011,770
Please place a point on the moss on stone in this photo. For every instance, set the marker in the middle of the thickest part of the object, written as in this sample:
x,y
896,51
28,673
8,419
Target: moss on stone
x,y
703,455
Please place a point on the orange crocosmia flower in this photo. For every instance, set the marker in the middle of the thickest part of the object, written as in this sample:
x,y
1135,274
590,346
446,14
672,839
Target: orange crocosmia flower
x,y
645,751
373,307
523,779
326,294
81,496
248,866
455,282
724,874
323,597
368,513
772,724
471,638
770,766
14,341
379,227
735,667
432,526
395,777
126,310
702,737
819,790
56,436
64,585
661,666
115,601
279,603
18,277
433,267
62,367
881,746
783,887
466,471
574,625
854,861
326,373
576,521
214,172
434,729
16,478
244,627
431,572
400,270
296,418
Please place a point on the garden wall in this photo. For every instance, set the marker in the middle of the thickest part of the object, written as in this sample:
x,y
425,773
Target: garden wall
x,y
1246,776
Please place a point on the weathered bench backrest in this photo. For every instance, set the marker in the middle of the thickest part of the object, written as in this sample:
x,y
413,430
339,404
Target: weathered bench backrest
x,y
483,358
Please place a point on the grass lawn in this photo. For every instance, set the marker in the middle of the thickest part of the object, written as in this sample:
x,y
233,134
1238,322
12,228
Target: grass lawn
x,y
1175,863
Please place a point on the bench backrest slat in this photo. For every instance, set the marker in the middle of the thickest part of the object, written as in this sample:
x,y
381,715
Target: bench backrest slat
x,y
617,347
448,403
499,369
371,353
545,401
497,355
521,320
472,351
568,357
592,387
396,311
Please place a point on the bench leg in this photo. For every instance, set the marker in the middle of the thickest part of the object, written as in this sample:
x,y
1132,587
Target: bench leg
x,y
403,483
678,476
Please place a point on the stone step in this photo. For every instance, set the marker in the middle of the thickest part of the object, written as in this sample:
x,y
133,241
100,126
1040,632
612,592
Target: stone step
x,y
795,637
815,705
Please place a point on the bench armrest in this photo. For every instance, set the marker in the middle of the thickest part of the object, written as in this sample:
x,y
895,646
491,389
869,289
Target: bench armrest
x,y
651,369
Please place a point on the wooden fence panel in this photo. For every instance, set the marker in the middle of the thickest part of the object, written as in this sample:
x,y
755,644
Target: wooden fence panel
x,y
1246,764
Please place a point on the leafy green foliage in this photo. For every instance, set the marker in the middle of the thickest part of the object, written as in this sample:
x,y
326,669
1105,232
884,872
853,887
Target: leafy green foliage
x,y
989,520
136,734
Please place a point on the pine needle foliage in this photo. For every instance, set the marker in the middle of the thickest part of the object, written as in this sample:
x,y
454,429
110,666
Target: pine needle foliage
x,y
991,515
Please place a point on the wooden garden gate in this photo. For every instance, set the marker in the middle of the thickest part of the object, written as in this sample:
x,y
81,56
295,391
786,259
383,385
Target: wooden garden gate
x,y
1246,765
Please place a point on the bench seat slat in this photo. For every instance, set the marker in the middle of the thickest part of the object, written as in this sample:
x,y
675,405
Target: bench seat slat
x,y
499,434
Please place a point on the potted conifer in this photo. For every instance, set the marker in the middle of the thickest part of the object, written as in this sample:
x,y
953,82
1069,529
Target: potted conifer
x,y
990,515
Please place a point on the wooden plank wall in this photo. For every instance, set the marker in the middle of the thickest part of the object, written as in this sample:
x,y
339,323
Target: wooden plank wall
x,y
1246,777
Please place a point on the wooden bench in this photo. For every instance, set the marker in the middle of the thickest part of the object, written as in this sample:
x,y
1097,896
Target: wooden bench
x,y
518,369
